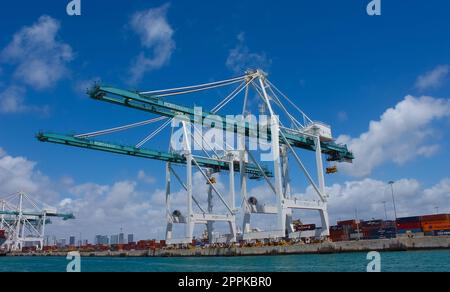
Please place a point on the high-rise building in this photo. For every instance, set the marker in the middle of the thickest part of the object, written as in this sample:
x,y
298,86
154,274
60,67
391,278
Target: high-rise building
x,y
101,240
121,238
114,239
130,238
61,243
72,241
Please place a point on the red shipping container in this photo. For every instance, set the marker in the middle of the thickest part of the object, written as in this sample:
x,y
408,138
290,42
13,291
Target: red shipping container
x,y
339,235
348,223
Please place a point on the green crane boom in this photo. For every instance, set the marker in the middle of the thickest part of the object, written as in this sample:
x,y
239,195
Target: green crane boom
x,y
135,100
39,215
175,158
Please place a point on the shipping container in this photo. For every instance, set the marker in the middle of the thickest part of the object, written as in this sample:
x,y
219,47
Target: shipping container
x,y
338,235
439,217
339,238
389,224
336,228
356,236
436,225
387,230
409,219
372,223
408,226
352,223
441,233
404,231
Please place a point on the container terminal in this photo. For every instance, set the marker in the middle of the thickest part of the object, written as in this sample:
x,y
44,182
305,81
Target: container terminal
x,y
289,132
409,233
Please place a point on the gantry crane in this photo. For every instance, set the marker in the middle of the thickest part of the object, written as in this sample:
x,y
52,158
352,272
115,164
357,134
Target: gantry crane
x,y
303,134
24,220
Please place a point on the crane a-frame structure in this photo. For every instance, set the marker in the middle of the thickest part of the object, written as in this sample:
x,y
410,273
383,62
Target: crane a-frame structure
x,y
284,141
24,220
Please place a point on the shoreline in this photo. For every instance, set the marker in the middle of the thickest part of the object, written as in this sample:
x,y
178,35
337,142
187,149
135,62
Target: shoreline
x,y
395,244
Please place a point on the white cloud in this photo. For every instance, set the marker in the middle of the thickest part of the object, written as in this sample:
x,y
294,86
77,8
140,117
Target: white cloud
x,y
82,86
40,58
20,174
400,135
142,176
241,58
437,196
12,100
104,209
156,37
433,78
367,196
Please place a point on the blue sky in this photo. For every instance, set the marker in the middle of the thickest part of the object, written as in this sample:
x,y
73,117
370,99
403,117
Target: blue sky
x,y
341,66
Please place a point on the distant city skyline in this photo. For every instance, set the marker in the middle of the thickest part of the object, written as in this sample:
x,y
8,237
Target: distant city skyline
x,y
72,240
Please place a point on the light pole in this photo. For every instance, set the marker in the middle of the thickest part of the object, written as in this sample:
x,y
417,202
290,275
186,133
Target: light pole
x,y
393,198
357,223
385,210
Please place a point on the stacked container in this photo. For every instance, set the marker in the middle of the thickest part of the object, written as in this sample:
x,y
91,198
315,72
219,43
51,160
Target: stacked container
x,y
436,225
409,225
337,233
378,229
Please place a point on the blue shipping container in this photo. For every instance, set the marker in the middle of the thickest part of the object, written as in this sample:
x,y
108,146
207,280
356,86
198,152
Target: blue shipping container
x,y
409,219
441,233
404,231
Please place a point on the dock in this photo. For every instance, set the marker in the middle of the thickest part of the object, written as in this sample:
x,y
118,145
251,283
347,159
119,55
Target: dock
x,y
395,244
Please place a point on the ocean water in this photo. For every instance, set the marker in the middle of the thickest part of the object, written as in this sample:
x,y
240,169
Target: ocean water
x,y
414,261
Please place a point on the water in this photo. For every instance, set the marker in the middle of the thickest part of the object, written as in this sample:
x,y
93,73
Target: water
x,y
414,261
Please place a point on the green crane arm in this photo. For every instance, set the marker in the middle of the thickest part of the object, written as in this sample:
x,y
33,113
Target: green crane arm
x,y
32,221
251,169
335,152
40,215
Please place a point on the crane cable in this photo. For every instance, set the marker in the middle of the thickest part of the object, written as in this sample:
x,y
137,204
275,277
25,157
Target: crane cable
x,y
217,108
183,90
222,104
290,102
194,90
118,129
